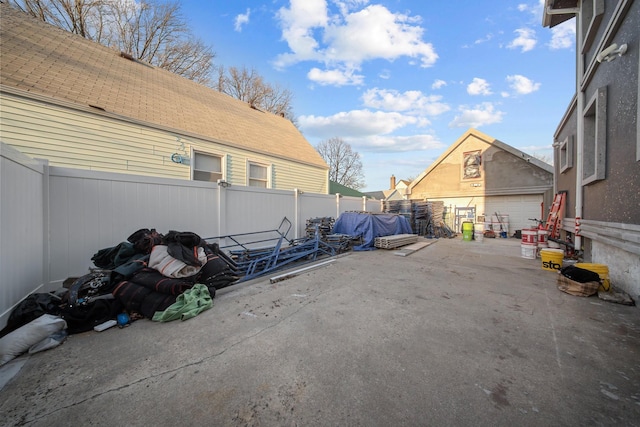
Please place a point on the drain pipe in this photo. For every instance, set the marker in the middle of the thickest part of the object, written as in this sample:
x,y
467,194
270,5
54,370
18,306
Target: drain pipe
x,y
577,241
548,10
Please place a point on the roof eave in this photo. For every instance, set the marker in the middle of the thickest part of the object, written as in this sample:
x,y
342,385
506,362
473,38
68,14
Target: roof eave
x,y
558,11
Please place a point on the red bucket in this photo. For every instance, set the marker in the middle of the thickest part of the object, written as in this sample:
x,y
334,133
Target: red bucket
x,y
530,236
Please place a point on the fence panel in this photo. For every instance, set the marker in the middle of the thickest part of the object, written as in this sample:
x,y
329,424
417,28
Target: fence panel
x,y
92,210
22,228
54,219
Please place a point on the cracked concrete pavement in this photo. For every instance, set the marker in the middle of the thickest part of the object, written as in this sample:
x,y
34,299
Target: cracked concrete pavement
x,y
458,333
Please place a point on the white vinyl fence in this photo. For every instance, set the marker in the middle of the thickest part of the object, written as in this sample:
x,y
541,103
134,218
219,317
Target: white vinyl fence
x,y
52,219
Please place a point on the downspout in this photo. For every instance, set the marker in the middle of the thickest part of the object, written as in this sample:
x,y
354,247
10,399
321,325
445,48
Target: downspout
x,y
579,109
577,242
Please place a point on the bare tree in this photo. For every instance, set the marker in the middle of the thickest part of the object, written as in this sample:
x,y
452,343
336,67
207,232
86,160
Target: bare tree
x,y
149,30
543,158
249,86
345,166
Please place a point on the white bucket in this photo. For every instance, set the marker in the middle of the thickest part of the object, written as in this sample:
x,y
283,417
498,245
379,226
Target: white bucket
x,y
478,231
529,251
553,245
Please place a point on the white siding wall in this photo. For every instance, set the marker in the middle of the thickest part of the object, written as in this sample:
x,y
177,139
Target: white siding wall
x,y
89,141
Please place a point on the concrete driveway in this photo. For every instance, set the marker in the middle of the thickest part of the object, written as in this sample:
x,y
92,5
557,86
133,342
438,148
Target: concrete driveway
x,y
458,333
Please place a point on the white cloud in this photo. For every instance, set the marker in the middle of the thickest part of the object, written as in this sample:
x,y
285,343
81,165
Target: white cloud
x,y
297,24
412,101
535,10
438,84
563,36
479,87
347,39
384,74
355,123
390,143
483,114
241,20
526,39
522,85
484,40
334,77
346,6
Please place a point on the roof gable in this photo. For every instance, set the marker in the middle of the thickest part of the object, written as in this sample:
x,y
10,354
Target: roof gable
x,y
489,141
41,60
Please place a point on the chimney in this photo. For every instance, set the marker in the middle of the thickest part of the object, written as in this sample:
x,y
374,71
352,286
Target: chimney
x,y
393,183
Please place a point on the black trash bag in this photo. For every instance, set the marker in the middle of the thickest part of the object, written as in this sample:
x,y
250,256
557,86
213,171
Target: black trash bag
x,y
579,275
32,307
83,317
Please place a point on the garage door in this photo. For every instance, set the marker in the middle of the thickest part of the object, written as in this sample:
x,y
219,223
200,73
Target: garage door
x,y
518,208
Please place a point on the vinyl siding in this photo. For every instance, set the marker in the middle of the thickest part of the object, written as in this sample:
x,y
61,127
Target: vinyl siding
x,y
79,139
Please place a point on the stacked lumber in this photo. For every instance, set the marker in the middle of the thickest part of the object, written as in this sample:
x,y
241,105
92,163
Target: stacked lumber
x,y
395,241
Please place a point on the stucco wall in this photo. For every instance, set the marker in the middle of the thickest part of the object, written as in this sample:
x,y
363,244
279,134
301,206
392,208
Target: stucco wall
x,y
501,173
616,198
566,180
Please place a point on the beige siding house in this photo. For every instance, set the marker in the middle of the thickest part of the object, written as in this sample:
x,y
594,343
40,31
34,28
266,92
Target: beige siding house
x,y
479,177
79,104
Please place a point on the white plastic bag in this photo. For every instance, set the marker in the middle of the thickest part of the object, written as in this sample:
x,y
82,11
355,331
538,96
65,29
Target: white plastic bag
x,y
20,340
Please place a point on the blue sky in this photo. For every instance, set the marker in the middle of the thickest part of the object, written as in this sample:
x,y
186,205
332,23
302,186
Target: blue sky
x,y
401,81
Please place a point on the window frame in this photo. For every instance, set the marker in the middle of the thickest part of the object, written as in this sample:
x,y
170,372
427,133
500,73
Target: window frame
x,y
268,168
594,146
465,156
223,162
590,28
567,147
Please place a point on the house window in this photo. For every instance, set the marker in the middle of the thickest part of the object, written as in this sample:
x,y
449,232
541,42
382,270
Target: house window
x,y
591,16
471,162
207,167
258,175
595,137
566,154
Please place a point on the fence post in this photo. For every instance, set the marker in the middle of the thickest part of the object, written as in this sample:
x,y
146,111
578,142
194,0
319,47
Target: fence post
x,y
222,207
338,195
296,212
364,203
46,214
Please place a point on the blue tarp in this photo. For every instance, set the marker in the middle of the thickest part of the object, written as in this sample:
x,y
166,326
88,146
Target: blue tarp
x,y
370,226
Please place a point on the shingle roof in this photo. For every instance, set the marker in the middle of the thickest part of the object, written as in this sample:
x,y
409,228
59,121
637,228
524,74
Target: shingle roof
x,y
44,60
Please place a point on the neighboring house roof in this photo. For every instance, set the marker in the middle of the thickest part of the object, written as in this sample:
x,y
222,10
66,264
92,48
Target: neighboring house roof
x,y
47,63
384,195
489,140
335,188
377,195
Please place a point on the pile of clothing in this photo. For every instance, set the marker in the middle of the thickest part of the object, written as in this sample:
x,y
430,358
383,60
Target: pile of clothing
x,y
150,270
150,275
